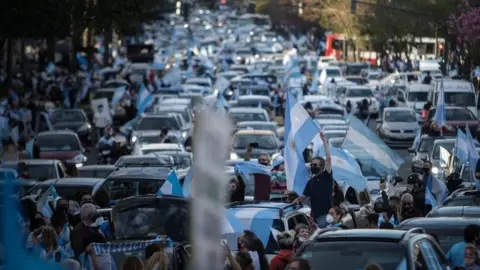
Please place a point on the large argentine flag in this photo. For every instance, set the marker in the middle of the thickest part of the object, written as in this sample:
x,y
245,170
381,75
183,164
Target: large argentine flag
x,y
439,116
461,147
363,143
299,132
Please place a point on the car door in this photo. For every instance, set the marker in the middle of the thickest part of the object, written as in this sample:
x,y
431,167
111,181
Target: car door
x,y
431,257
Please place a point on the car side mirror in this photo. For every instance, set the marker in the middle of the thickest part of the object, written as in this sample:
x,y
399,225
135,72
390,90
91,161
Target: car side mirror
x,y
379,120
398,179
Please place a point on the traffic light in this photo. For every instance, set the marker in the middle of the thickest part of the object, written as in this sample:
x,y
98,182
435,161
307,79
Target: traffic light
x,y
353,6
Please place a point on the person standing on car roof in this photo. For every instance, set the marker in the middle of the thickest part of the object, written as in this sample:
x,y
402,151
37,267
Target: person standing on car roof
x,y
416,188
319,187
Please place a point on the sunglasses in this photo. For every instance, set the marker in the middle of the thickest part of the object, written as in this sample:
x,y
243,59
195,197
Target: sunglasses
x,y
470,256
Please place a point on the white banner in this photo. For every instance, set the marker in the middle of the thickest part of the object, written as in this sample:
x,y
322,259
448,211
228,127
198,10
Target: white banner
x,y
212,144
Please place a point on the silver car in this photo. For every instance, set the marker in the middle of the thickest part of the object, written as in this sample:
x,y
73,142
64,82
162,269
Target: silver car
x,y
398,126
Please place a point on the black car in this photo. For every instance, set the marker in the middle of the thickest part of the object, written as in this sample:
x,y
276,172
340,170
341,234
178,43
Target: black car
x,y
96,171
448,230
71,188
456,211
150,160
391,249
144,218
75,120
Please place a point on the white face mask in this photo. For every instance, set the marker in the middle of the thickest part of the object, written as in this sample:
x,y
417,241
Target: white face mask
x,y
329,219
302,239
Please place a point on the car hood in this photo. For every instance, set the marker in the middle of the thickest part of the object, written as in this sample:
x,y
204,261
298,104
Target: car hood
x,y
401,125
420,156
73,126
60,155
255,152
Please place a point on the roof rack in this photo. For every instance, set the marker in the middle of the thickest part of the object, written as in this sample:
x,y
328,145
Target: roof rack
x,y
412,231
251,204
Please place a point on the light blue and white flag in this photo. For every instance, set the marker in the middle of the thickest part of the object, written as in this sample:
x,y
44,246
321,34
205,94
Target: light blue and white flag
x,y
418,136
439,116
50,68
258,220
171,186
300,129
472,156
461,147
82,61
245,168
438,188
43,202
363,143
429,198
29,147
118,95
187,183
144,99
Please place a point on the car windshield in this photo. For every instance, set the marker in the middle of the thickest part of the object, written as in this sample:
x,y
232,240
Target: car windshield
x,y
264,141
259,127
66,116
373,76
360,81
447,145
150,139
118,189
461,99
333,73
138,161
426,145
57,143
157,151
242,117
446,236
169,217
157,123
353,255
36,171
417,96
184,113
457,114
70,192
94,173
181,160
359,93
400,116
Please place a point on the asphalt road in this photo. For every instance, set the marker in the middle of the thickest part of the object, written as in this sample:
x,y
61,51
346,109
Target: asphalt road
x,y
404,170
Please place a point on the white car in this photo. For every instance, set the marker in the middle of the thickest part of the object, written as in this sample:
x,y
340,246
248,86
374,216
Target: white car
x,y
158,148
355,94
372,78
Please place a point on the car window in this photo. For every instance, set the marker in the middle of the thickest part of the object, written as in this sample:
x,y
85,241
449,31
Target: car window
x,y
364,197
301,219
462,201
351,196
66,116
36,171
353,254
400,116
264,141
60,170
291,223
157,123
461,99
243,117
447,145
426,145
58,143
417,96
359,93
122,188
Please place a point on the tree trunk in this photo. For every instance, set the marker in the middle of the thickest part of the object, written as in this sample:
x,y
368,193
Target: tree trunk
x,y
10,44
51,49
76,46
107,41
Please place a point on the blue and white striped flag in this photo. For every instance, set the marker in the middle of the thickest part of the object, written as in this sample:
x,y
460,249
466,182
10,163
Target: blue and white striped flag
x,y
144,99
245,168
258,220
300,129
43,202
363,143
429,198
472,156
438,188
461,147
118,95
187,183
171,186
29,147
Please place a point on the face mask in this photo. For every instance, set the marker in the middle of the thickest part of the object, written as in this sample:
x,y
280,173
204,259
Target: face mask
x,y
329,219
315,170
302,239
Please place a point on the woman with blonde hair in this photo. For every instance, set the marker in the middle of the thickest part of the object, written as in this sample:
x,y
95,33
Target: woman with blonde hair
x,y
46,237
133,263
158,261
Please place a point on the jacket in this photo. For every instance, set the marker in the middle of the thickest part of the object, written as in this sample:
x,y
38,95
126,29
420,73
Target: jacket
x,y
281,260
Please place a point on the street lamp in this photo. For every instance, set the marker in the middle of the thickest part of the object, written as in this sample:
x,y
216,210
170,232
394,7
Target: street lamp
x,y
178,6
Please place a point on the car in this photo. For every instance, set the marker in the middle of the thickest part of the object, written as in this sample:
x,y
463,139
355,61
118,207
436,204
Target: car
x,y
355,248
421,152
457,117
398,126
150,160
71,188
354,94
176,101
329,72
133,181
197,89
259,90
457,93
438,165
205,82
449,230
266,142
355,69
455,211
184,110
63,145
372,78
329,123
415,96
158,148
253,101
153,136
359,80
151,216
96,171
258,125
283,216
39,169
248,114
75,120
463,197
157,122
181,160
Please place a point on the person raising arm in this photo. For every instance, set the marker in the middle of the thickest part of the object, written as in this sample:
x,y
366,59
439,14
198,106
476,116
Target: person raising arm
x,y
319,187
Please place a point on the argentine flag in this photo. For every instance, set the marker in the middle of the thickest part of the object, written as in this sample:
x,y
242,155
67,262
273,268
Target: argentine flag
x,y
300,129
439,116
461,147
171,186
144,99
363,143
118,95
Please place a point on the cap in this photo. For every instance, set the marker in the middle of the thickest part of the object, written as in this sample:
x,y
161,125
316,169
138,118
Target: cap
x,y
414,178
277,161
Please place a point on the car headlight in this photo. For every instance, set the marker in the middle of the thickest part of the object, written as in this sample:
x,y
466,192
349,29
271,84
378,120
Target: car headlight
x,y
79,159
435,170
84,127
134,139
184,134
385,130
233,156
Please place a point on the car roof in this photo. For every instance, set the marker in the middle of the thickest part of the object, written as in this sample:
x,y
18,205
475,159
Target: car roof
x,y
398,109
455,211
72,181
166,146
358,87
270,210
245,110
373,234
254,132
96,167
247,123
141,173
56,132
175,153
253,97
438,222
31,161
167,107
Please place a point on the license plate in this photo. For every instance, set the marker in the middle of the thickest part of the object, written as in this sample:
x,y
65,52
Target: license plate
x,y
106,152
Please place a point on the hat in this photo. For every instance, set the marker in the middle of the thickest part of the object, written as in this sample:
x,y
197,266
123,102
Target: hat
x,y
277,161
414,178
